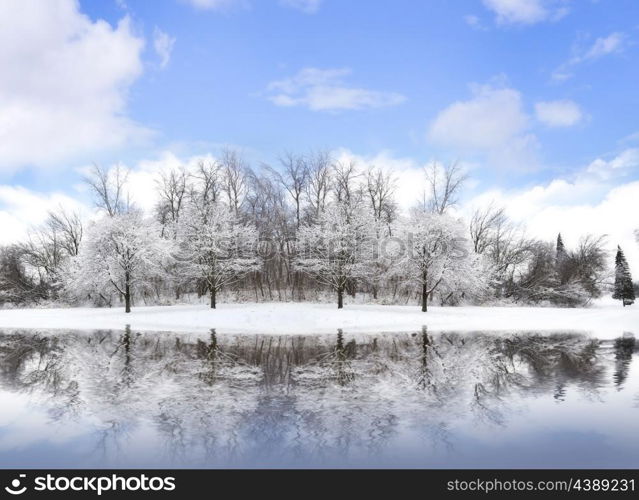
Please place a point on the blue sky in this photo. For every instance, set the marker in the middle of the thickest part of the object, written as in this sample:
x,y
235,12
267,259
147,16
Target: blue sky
x,y
527,94
213,88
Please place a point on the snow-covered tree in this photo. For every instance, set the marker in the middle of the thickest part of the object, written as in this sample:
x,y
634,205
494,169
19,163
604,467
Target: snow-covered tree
x,y
437,254
48,247
339,247
173,188
562,262
379,189
560,250
624,289
122,253
216,247
587,264
17,285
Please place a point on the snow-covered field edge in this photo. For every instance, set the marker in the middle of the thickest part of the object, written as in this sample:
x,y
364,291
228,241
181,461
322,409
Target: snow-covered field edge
x,y
604,320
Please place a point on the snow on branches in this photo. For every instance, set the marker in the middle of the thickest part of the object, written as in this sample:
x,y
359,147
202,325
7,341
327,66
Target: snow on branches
x,y
215,246
120,254
291,232
338,248
437,255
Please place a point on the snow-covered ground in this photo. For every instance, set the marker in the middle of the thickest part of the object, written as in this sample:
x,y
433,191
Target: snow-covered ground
x,y
604,320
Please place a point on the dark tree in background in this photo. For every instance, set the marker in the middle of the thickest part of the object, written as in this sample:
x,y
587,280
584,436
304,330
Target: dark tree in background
x,y
624,289
561,249
561,260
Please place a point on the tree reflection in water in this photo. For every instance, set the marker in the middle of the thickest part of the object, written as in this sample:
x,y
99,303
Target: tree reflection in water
x,y
291,400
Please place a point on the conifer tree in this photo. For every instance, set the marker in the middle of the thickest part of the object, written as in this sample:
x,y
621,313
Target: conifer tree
x,y
561,261
561,249
624,289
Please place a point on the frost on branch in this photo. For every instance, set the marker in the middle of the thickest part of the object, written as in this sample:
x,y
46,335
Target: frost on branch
x,y
437,256
215,246
339,248
122,255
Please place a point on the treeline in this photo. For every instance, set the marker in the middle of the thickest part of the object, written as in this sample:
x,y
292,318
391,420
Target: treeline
x,y
299,231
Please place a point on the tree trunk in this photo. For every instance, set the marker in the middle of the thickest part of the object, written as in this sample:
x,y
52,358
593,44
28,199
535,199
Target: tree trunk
x,y
213,297
424,298
127,294
340,298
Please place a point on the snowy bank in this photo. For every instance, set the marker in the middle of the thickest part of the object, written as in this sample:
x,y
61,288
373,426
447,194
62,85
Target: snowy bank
x,y
606,320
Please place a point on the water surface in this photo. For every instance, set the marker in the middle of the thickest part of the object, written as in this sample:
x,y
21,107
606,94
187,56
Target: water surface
x,y
445,399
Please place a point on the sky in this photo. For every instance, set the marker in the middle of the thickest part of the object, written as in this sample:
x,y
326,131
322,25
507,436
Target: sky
x,y
537,99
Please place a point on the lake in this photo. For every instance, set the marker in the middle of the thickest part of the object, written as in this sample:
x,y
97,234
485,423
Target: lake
x,y
122,399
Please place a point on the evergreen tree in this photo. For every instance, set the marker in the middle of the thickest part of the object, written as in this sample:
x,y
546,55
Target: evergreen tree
x,y
562,269
624,289
561,250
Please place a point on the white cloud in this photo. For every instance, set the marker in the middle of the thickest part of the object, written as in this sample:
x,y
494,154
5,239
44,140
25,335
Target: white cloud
x,y
216,4
595,200
601,47
409,174
604,46
142,177
23,208
325,90
493,122
592,202
490,119
563,113
64,82
526,11
163,45
306,6
544,219
620,165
